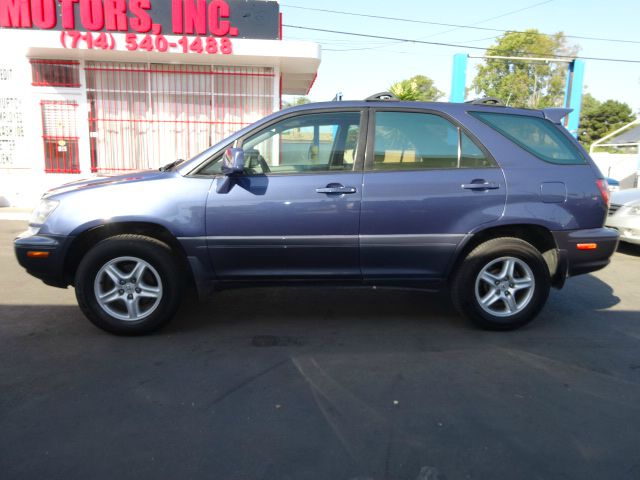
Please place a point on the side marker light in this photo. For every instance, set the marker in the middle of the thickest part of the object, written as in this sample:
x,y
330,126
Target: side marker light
x,y
37,254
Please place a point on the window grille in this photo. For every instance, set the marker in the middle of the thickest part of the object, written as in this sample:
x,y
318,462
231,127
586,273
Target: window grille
x,y
55,73
60,136
146,115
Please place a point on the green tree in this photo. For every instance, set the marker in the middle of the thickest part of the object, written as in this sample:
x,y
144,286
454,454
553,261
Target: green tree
x,y
529,84
295,101
589,103
598,119
416,89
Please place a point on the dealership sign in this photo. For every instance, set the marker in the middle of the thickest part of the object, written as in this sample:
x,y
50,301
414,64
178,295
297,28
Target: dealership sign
x,y
255,19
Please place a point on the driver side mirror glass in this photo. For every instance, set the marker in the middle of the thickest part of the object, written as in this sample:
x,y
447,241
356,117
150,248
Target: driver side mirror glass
x,y
233,161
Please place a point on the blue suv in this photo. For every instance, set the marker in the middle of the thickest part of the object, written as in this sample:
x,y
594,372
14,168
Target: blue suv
x,y
496,204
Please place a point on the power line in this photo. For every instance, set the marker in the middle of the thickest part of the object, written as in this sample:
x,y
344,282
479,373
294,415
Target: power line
x,y
442,44
388,44
378,46
506,14
511,12
473,27
380,37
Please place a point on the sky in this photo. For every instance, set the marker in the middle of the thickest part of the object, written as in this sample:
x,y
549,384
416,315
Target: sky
x,y
359,67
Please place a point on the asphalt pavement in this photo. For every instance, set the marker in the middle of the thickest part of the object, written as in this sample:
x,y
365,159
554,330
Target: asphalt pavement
x,y
279,384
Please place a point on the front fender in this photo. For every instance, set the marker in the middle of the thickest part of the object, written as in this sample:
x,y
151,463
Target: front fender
x,y
176,203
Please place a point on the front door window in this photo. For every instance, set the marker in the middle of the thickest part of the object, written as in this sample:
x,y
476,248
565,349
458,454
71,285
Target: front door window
x,y
314,143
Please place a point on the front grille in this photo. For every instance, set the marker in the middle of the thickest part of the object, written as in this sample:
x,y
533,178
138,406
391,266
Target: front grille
x,y
613,208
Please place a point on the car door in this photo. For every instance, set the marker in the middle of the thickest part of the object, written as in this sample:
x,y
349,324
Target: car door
x,y
294,212
427,183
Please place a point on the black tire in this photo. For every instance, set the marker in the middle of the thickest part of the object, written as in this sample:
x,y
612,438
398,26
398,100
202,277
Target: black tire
x,y
468,289
162,277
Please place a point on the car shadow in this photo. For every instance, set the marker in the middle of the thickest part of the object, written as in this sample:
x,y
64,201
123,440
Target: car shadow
x,y
629,249
297,316
585,293
306,309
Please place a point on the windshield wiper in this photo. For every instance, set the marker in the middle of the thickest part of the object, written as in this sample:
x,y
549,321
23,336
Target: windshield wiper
x,y
170,166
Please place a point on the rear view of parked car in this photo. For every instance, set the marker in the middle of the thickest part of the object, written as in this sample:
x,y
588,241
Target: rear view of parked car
x,y
495,204
614,185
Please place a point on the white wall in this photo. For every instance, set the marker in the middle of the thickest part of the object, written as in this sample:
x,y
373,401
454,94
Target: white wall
x,y
622,167
22,177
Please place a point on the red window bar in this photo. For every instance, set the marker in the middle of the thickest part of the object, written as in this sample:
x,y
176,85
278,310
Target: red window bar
x,y
60,136
55,73
145,115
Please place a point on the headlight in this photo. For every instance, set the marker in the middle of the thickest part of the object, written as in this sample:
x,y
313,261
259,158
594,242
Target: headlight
x,y
634,210
42,211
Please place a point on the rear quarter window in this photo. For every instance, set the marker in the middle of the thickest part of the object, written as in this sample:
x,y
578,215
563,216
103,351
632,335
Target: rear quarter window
x,y
536,135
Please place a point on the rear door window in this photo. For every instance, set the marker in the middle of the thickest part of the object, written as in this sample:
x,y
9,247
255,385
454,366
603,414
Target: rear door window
x,y
417,141
536,135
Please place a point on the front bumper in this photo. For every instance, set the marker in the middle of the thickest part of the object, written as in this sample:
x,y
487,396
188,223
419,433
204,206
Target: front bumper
x,y
50,269
573,261
627,225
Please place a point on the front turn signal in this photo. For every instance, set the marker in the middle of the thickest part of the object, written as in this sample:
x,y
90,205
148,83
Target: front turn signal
x,y
37,254
587,246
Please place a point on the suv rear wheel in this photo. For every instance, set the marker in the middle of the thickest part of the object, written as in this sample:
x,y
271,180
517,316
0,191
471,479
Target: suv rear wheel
x,y
502,284
129,284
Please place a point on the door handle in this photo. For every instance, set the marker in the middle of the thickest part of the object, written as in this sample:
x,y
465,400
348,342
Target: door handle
x,y
336,189
480,185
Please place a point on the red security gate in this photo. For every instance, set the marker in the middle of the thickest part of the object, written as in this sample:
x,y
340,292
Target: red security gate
x,y
55,73
145,115
60,136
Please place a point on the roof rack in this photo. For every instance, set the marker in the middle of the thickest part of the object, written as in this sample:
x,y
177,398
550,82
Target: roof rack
x,y
490,101
381,97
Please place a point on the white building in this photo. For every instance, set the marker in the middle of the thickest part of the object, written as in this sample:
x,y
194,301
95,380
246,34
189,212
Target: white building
x,y
106,87
622,160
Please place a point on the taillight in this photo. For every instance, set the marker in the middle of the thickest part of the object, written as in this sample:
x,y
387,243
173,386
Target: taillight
x,y
604,190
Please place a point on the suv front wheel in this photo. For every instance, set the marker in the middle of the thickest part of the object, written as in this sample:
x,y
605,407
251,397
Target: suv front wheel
x,y
502,284
129,284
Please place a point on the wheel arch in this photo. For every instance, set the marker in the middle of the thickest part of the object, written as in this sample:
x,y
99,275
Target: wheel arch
x,y
83,242
537,235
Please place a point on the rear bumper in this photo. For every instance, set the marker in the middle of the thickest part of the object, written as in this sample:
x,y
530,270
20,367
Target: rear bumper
x,y
573,261
50,269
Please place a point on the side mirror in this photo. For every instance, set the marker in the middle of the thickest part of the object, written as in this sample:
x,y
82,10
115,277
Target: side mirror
x,y
233,161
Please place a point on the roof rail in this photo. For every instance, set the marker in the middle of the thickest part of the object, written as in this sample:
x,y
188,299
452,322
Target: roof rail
x,y
381,97
490,101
